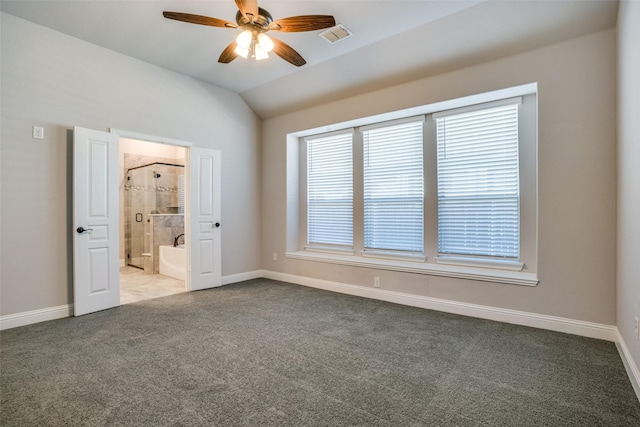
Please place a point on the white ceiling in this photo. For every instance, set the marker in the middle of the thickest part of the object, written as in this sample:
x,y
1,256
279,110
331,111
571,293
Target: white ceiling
x,y
394,41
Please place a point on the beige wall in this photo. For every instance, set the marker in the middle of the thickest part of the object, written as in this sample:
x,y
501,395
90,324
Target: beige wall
x,y
577,179
628,272
56,81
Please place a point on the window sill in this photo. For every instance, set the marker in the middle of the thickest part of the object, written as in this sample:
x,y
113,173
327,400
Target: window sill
x,y
393,256
482,263
329,250
444,270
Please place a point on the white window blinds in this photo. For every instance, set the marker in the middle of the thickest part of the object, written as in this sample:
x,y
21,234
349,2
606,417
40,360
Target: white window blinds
x,y
478,183
330,190
393,187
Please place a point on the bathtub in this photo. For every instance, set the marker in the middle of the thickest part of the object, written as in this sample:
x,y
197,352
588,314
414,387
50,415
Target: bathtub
x,y
173,262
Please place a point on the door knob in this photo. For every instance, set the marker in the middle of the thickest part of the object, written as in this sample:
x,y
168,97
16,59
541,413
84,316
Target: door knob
x,y
217,224
81,230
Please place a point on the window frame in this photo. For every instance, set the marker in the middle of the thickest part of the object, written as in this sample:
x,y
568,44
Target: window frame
x,y
523,272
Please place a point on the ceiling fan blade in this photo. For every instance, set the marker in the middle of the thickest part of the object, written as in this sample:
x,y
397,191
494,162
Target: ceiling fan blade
x,y
228,54
199,19
248,8
303,23
287,53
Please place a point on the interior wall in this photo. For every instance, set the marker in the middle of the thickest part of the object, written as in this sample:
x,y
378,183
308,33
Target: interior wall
x,y
56,81
576,179
628,271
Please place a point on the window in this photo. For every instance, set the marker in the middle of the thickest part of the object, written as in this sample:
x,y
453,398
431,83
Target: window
x,y
393,187
451,192
330,190
478,182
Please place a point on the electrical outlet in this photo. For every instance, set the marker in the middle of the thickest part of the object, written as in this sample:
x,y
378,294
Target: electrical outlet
x,y
275,256
376,282
38,132
637,328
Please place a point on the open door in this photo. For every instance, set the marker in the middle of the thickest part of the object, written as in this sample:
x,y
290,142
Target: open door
x,y
204,242
95,221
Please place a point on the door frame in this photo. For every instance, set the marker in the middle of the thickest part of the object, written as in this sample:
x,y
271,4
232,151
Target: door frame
x,y
187,199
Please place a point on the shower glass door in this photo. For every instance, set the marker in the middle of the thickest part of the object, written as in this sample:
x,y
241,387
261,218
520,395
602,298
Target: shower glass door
x,y
141,189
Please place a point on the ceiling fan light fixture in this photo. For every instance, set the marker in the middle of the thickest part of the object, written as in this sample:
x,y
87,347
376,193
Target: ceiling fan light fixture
x,y
265,43
244,39
250,44
259,52
242,51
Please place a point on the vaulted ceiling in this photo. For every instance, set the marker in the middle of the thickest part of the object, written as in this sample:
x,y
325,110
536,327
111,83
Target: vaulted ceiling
x,y
393,41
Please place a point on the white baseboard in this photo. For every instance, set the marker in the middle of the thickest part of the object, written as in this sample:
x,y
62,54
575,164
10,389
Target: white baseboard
x,y
35,316
632,369
558,324
241,277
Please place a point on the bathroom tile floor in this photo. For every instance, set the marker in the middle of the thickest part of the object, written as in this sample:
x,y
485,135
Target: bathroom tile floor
x,y
136,286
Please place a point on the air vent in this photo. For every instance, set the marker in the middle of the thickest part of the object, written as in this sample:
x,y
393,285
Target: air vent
x,y
336,33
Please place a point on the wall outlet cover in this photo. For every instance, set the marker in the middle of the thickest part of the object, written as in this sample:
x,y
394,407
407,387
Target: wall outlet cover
x,y
38,132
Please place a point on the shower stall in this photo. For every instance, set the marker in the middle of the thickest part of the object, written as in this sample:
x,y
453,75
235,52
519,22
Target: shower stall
x,y
155,189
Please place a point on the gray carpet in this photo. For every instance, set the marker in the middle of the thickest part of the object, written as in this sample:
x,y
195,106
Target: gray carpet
x,y
263,353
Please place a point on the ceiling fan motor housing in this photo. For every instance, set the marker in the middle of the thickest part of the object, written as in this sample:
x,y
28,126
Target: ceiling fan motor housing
x,y
260,22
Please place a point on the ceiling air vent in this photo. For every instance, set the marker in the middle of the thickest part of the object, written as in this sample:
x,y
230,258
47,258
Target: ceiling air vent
x,y
336,33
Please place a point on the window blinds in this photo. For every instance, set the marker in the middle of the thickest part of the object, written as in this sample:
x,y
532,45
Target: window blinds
x,y
478,183
393,187
330,190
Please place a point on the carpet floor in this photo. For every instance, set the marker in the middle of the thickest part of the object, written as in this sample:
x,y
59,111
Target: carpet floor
x,y
267,353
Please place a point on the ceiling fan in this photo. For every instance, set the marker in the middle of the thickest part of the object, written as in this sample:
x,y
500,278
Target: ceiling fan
x,y
255,22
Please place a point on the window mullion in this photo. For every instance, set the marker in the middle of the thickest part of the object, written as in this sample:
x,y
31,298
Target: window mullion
x,y
430,188
358,193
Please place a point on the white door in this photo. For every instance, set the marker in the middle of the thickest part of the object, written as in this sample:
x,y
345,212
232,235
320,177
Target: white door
x,y
204,233
95,221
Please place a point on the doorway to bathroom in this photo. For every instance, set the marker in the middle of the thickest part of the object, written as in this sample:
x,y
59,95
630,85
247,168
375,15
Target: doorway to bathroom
x,y
152,220
98,180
